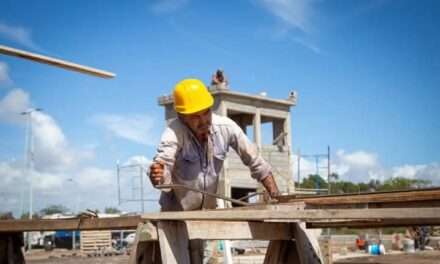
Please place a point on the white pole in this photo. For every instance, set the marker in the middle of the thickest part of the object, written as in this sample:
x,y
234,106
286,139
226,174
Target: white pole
x,y
30,163
227,257
27,170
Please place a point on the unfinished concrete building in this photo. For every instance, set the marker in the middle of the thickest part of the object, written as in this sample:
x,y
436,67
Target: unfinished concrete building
x,y
266,121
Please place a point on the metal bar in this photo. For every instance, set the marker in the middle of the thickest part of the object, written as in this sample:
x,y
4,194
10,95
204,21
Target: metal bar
x,y
137,200
181,186
250,195
55,62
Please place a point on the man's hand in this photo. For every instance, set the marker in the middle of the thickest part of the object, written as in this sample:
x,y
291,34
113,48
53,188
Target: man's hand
x,y
157,173
271,186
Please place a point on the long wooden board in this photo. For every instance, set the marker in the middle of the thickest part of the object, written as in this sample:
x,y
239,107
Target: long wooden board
x,y
373,223
404,198
55,62
285,212
111,223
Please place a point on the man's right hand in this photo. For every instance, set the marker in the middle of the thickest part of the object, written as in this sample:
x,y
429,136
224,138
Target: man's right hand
x,y
157,173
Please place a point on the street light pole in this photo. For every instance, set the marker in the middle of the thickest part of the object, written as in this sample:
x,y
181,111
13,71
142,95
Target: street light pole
x,y
76,210
29,138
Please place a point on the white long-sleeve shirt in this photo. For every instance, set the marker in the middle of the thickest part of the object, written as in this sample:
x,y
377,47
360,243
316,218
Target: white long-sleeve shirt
x,y
192,164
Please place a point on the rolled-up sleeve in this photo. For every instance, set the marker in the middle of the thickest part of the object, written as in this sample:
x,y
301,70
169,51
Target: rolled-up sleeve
x,y
166,152
248,153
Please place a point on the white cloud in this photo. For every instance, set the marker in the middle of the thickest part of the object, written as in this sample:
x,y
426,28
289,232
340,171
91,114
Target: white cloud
x,y
92,178
296,18
429,172
9,172
308,44
15,102
358,159
138,160
61,175
43,181
407,171
52,151
167,6
363,166
18,34
137,128
4,73
293,13
358,166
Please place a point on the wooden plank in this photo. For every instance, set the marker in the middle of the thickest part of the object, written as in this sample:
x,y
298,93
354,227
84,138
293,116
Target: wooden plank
x,y
134,248
374,223
55,62
173,241
363,198
279,252
307,245
285,212
111,223
237,230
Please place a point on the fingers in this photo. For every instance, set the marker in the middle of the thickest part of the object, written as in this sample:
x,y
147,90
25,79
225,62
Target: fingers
x,y
157,172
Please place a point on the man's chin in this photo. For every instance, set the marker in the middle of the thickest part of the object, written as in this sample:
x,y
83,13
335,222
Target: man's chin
x,y
203,136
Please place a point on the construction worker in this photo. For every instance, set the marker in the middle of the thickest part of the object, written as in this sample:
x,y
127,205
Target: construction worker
x,y
193,148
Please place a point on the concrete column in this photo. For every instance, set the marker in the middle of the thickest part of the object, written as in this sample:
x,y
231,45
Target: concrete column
x,y
257,128
225,179
223,109
288,130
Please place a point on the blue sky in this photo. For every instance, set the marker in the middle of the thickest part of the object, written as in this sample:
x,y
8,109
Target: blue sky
x,y
367,74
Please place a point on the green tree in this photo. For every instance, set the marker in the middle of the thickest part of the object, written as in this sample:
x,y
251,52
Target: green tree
x,y
54,209
314,181
26,216
6,215
112,210
401,183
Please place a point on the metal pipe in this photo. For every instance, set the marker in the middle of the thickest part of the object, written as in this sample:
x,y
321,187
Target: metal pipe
x,y
181,186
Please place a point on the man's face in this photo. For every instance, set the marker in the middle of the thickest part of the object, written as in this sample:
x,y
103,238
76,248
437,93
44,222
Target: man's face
x,y
199,123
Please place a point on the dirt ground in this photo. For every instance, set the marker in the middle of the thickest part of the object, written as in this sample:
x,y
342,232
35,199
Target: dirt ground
x,y
426,257
39,256
82,260
69,257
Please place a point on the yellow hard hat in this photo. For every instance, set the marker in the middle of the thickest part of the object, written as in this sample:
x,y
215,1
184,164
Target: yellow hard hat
x,y
191,96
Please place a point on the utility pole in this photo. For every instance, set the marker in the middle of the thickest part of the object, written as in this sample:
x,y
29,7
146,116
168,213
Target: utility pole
x,y
141,178
76,211
299,167
29,145
119,181
328,169
317,158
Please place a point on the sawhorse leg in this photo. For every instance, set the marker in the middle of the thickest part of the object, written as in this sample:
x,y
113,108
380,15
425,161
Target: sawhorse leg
x,y
165,242
303,250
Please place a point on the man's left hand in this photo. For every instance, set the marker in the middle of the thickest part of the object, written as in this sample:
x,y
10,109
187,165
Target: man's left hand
x,y
271,186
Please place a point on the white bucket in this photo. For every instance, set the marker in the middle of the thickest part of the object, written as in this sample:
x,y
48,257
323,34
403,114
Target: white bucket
x,y
408,246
